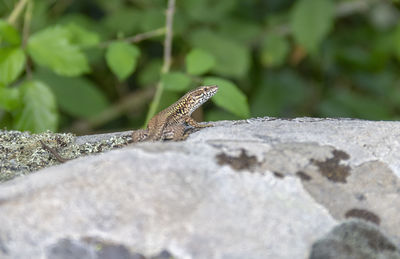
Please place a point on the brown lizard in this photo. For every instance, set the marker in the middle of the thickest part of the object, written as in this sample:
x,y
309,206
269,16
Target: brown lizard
x,y
171,123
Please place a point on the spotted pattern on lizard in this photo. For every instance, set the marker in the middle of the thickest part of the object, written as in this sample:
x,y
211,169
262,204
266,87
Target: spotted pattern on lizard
x,y
171,123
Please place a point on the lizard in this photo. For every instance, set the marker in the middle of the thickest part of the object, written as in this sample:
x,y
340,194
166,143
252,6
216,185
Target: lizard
x,y
171,123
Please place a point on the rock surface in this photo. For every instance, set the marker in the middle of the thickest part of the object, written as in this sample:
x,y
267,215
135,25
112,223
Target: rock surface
x,y
22,153
355,239
259,188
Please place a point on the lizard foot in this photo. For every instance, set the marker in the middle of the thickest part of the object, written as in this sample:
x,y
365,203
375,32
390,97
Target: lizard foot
x,y
139,135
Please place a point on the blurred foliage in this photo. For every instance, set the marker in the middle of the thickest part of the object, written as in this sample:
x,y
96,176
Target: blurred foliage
x,y
66,63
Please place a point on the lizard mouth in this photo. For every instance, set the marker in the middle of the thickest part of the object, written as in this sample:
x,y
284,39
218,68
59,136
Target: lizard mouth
x,y
205,93
212,90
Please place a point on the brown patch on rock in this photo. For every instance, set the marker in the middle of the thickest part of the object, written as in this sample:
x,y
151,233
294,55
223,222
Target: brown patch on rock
x,y
278,175
331,168
241,162
303,176
363,214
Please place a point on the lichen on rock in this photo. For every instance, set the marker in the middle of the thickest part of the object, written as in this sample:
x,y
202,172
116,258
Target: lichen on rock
x,y
22,153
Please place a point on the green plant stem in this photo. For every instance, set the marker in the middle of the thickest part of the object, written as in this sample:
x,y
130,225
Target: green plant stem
x,y
146,35
166,61
19,7
25,33
168,36
136,38
27,22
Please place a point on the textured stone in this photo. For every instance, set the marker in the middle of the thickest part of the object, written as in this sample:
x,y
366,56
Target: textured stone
x,y
355,240
259,188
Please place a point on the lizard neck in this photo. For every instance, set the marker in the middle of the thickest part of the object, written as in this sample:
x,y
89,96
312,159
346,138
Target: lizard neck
x,y
184,106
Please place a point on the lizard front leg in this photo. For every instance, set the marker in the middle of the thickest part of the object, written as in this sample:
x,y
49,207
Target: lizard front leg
x,y
175,132
168,134
140,135
190,121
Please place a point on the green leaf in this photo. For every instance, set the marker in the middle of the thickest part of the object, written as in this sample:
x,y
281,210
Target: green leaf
x,y
281,94
181,24
86,34
311,21
229,96
82,37
40,14
152,18
167,98
6,120
199,62
344,103
126,21
83,22
12,62
176,81
39,112
150,72
76,96
122,58
9,98
53,48
208,10
379,85
274,50
396,41
241,30
9,34
218,114
232,58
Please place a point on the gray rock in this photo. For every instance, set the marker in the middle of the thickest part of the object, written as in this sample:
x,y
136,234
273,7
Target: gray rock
x,y
259,188
67,249
355,240
90,248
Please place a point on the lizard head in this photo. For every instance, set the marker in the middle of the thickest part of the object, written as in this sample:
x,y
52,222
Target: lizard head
x,y
200,95
193,99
